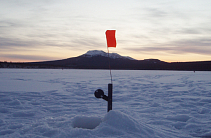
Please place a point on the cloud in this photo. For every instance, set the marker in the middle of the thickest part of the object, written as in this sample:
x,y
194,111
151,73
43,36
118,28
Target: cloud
x,y
156,13
51,40
197,46
87,42
19,57
10,43
7,23
190,31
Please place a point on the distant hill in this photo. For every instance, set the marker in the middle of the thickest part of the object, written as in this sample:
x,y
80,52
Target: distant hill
x,y
99,60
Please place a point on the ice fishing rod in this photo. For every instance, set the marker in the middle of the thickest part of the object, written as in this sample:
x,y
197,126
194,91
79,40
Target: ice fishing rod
x,y
111,42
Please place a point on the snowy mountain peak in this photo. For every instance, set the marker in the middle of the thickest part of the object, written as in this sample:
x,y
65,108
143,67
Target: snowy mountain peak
x,y
96,53
93,53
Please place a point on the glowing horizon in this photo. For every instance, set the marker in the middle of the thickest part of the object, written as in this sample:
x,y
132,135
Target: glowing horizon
x,y
39,59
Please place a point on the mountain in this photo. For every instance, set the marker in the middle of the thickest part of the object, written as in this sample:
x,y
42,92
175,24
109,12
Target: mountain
x,y
93,60
99,60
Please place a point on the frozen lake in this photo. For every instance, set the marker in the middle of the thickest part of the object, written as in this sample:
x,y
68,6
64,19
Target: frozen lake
x,y
60,103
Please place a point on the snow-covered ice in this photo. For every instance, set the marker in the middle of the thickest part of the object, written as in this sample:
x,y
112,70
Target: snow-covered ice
x,y
147,104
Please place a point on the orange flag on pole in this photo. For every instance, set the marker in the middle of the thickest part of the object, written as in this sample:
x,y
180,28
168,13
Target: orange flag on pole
x,y
110,36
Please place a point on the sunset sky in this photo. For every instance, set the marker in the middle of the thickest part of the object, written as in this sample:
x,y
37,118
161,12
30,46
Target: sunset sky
x,y
169,30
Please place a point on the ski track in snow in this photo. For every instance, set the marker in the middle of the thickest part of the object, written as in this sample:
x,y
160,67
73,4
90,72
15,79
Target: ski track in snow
x,y
61,103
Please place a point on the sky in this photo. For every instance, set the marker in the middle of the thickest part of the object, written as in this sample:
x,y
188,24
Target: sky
x,y
169,30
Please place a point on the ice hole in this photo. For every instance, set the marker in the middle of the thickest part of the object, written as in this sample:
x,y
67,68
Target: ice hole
x,y
86,122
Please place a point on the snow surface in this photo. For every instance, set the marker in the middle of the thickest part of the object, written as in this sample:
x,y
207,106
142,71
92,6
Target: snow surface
x,y
92,53
40,103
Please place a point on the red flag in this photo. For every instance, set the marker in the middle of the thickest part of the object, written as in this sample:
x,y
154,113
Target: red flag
x,y
110,36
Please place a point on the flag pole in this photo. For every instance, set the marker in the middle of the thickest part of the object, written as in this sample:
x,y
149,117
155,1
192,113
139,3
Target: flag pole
x,y
109,66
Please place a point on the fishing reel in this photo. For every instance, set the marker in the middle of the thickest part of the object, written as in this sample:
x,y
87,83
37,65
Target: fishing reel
x,y
100,94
